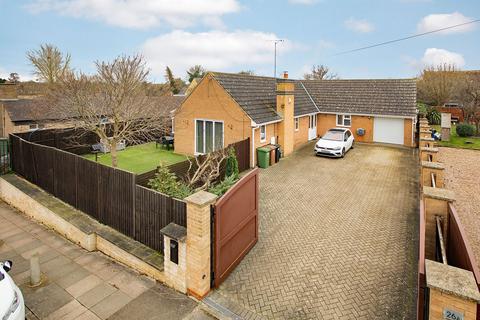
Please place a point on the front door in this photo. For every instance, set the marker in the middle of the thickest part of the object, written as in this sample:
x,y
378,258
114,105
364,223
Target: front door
x,y
312,127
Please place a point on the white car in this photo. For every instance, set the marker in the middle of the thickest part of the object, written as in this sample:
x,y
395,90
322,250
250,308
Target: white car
x,y
12,305
335,143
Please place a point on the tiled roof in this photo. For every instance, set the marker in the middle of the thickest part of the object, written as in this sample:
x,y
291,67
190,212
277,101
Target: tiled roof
x,y
303,103
39,110
257,97
395,97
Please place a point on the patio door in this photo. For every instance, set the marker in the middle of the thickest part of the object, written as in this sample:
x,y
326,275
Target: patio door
x,y
312,127
208,136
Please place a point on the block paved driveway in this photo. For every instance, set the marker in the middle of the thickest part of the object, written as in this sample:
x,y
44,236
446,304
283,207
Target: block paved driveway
x,y
337,239
80,284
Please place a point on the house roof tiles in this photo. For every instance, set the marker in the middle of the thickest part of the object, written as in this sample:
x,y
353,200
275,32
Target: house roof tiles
x,y
257,96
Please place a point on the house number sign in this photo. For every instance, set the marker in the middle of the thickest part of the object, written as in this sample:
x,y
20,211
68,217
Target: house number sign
x,y
452,315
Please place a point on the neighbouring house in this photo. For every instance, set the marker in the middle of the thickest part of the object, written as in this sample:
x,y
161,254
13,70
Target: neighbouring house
x,y
225,108
455,109
27,114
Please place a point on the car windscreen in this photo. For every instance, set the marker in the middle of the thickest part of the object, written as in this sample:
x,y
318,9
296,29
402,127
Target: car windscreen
x,y
333,135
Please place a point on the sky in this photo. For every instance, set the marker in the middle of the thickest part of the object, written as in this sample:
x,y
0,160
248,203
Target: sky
x,y
236,35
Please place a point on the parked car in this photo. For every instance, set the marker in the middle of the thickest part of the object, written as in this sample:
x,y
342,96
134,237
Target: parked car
x,y
335,143
12,305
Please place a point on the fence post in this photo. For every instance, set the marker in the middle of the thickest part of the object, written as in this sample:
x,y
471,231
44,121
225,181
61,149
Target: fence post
x,y
453,292
199,242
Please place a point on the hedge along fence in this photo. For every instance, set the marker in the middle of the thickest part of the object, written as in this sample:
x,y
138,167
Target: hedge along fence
x,y
109,195
180,169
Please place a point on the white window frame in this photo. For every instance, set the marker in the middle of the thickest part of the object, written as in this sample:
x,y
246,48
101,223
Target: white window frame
x,y
204,136
349,116
297,124
263,135
173,124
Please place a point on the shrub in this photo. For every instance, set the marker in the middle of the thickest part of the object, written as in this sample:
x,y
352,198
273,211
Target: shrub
x,y
166,182
222,187
232,164
433,116
422,109
465,130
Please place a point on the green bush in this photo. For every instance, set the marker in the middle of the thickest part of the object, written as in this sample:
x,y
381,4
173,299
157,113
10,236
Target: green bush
x,y
434,117
465,130
422,109
232,164
222,187
166,182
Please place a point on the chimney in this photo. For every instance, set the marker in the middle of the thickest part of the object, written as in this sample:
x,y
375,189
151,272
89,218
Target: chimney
x,y
8,91
285,108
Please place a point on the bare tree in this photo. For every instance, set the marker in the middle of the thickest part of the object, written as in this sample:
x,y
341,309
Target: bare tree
x,y
207,169
14,77
438,85
470,97
320,72
112,103
49,62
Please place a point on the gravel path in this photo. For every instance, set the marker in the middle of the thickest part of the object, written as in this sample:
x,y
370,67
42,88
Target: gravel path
x,y
462,175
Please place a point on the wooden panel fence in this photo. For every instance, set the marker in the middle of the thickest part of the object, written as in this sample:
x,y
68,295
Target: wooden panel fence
x,y
180,169
109,195
153,211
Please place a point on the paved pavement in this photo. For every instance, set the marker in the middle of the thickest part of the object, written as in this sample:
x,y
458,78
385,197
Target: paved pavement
x,y
80,284
337,239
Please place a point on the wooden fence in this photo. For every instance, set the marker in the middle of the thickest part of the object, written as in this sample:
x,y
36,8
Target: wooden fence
x,y
242,150
109,195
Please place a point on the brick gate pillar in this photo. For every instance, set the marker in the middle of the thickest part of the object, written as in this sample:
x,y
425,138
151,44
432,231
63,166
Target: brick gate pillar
x,y
453,292
198,242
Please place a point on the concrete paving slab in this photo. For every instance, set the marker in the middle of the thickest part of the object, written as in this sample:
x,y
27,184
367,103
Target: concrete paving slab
x,y
84,285
44,300
116,301
64,266
145,306
96,294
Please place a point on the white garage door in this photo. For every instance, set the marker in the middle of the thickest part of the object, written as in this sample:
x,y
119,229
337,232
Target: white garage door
x,y
388,130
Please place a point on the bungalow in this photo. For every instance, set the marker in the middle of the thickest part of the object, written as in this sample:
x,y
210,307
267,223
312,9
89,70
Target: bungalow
x,y
225,108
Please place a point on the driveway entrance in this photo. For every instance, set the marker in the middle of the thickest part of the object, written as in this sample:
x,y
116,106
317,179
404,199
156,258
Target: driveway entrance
x,y
337,239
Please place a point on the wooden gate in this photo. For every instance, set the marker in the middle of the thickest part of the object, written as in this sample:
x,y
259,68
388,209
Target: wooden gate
x,y
235,226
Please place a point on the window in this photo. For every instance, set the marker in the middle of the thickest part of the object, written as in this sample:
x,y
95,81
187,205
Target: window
x,y
297,125
263,133
209,136
344,120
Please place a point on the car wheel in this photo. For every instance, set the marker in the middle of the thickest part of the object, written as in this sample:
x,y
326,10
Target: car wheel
x,y
353,144
343,152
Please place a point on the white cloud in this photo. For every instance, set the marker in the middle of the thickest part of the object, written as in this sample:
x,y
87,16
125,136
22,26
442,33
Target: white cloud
x,y
141,14
306,2
214,50
439,21
362,26
435,57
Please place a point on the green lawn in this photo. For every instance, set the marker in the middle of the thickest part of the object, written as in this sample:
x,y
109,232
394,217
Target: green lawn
x,y
458,142
140,158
